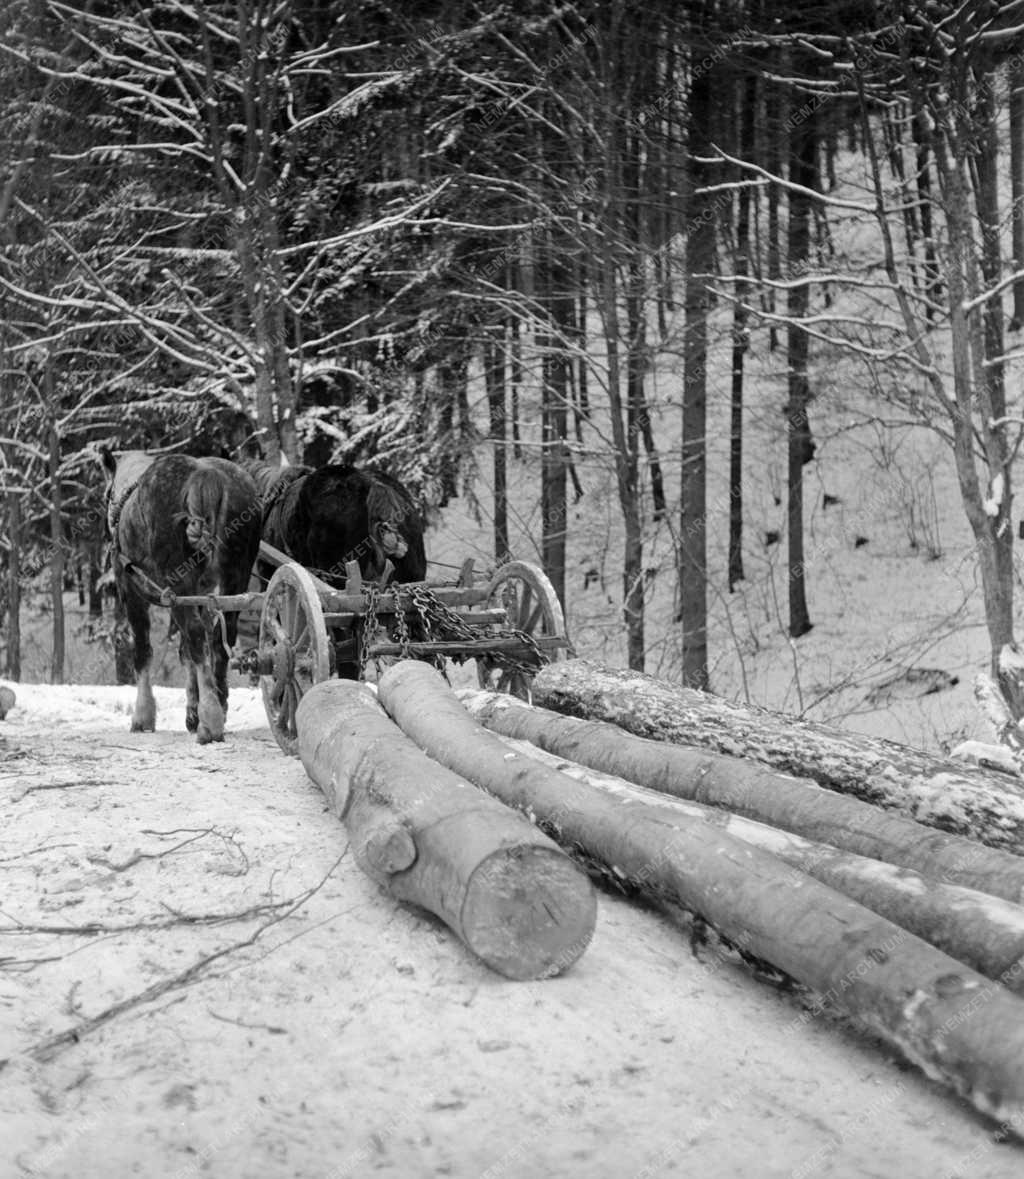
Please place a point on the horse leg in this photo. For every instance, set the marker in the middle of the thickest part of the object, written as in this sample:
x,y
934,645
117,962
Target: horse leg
x,y
180,621
210,713
191,698
223,631
137,611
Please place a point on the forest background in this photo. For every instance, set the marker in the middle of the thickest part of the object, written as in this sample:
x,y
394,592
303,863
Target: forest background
x,y
709,307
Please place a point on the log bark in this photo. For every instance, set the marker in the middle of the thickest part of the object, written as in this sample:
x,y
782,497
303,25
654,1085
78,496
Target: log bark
x,y
751,790
985,932
988,807
959,1027
508,892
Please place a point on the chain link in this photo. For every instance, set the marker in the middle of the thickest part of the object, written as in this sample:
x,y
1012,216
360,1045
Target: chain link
x,y
401,627
442,622
370,624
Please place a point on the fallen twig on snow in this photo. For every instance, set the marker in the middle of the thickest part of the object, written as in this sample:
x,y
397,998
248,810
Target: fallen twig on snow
x,y
47,1049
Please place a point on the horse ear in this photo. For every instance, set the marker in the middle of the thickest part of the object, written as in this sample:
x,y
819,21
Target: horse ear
x,y
108,462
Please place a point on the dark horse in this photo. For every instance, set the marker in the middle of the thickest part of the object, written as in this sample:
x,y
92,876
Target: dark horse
x,y
191,526
327,517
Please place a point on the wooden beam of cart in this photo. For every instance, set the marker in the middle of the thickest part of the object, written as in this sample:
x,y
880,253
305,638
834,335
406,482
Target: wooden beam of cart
x,y
467,646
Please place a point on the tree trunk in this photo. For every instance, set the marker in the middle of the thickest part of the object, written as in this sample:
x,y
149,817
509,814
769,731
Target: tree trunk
x,y
1017,187
505,889
700,256
932,285
775,136
515,375
449,467
976,410
14,527
983,931
494,378
800,448
638,416
748,789
740,339
57,555
988,807
554,456
626,465
93,572
869,966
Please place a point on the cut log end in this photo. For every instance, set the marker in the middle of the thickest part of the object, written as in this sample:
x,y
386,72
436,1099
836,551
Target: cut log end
x,y
388,847
529,912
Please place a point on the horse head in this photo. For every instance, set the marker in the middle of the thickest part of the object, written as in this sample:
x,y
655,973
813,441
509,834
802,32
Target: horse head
x,y
121,477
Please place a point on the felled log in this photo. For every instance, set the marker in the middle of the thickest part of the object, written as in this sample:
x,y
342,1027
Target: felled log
x,y
510,893
7,701
986,806
756,792
959,1027
985,932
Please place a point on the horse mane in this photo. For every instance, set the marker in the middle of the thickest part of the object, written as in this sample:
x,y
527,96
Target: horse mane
x,y
386,501
271,480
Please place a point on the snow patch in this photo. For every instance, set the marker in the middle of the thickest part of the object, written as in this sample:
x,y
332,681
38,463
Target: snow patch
x,y
981,754
994,500
1010,659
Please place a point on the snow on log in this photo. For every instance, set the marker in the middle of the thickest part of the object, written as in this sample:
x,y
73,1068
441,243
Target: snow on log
x,y
750,789
983,931
988,807
510,893
956,1025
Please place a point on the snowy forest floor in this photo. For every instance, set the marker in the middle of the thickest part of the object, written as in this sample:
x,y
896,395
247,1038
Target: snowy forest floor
x,y
237,999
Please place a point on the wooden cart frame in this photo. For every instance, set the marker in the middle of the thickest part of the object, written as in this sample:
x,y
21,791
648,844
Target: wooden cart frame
x,y
510,625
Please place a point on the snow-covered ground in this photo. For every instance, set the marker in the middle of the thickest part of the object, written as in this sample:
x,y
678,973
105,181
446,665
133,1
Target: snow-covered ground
x,y
195,979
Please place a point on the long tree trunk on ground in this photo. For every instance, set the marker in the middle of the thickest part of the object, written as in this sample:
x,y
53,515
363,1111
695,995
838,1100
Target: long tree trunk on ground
x,y
494,378
985,932
988,807
740,337
802,927
747,787
1017,187
700,255
509,893
799,448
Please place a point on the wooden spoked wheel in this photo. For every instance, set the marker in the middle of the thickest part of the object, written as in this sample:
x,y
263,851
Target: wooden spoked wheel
x,y
294,649
532,607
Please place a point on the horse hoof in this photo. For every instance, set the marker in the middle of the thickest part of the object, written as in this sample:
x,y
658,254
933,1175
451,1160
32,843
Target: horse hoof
x,y
205,736
143,727
191,721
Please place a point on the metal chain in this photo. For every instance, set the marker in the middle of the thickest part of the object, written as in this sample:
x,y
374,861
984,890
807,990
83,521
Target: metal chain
x,y
401,627
440,620
370,625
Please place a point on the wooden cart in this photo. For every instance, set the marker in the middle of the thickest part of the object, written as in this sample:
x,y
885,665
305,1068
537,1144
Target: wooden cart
x,y
308,630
